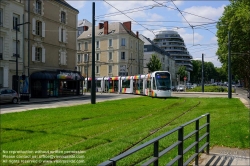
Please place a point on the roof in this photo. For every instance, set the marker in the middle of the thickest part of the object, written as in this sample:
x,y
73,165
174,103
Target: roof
x,y
63,2
148,41
53,75
113,28
84,22
43,75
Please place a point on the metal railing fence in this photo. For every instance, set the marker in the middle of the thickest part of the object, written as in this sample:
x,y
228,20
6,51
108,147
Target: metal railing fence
x,y
179,143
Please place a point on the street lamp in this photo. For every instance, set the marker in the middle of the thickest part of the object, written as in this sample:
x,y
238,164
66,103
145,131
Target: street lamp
x,y
17,55
87,72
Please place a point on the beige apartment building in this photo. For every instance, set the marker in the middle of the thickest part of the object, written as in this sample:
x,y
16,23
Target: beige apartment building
x,y
50,46
11,14
52,35
118,50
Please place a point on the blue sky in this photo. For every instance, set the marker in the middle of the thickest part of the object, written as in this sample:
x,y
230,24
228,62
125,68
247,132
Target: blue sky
x,y
151,16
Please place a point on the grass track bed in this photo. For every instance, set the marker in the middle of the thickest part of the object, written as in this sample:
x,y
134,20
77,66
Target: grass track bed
x,y
106,129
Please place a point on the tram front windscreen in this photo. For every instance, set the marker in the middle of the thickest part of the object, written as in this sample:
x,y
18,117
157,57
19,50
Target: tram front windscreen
x,y
163,81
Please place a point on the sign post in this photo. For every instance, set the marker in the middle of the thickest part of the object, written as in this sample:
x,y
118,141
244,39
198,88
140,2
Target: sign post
x,y
185,78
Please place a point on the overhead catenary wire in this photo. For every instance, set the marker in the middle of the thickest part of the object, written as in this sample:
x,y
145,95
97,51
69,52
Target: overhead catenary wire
x,y
128,16
181,15
128,11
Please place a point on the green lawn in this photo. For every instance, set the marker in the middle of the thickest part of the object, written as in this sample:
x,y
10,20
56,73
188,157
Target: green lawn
x,y
106,129
210,89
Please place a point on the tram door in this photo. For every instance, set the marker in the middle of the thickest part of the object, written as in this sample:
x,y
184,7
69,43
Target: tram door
x,y
106,85
113,86
138,86
148,91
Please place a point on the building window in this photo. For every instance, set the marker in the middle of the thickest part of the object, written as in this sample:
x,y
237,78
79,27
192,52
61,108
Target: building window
x,y
86,58
39,28
97,44
123,55
62,36
86,46
14,48
79,58
79,68
1,48
63,58
79,46
131,44
110,56
38,54
38,7
97,56
97,69
63,17
1,17
110,69
123,43
110,43
16,21
85,69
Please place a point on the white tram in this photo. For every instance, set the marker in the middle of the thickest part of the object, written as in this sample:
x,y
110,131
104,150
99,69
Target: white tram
x,y
155,84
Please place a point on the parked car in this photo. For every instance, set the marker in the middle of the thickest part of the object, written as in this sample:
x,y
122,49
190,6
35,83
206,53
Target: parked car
x,y
180,88
173,88
8,95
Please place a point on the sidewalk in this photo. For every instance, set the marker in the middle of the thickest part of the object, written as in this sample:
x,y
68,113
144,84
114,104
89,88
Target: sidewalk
x,y
225,156
39,100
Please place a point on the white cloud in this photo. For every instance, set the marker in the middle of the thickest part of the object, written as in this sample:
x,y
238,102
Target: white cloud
x,y
78,4
171,6
154,17
189,38
214,39
148,34
140,10
202,14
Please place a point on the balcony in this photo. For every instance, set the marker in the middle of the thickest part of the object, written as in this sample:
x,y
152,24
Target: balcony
x,y
14,55
16,28
79,62
38,11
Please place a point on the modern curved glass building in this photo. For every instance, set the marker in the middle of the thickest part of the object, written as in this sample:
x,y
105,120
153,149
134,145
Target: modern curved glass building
x,y
174,44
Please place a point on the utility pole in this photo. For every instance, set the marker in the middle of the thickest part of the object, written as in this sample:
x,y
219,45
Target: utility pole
x,y
87,72
202,73
93,87
229,68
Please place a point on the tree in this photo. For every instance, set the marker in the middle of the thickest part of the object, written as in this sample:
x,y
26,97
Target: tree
x,y
154,63
210,72
182,72
195,75
236,19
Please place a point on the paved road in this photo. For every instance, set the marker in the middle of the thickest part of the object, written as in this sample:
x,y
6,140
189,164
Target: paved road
x,y
60,102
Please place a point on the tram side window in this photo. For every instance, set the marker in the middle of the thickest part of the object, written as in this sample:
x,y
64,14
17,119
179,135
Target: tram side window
x,y
110,84
98,83
125,83
154,87
141,84
148,84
